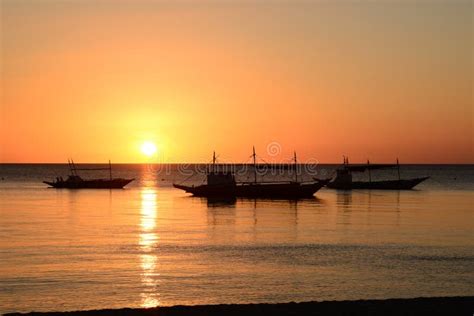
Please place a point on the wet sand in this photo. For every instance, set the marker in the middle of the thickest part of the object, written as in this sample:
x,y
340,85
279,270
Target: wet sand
x,y
414,306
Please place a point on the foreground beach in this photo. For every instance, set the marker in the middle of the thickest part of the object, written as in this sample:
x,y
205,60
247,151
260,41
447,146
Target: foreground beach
x,y
414,306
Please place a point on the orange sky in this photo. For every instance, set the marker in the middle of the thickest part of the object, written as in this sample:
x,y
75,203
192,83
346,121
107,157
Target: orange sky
x,y
93,80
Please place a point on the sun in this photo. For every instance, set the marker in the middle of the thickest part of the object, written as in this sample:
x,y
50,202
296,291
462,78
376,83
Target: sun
x,y
148,148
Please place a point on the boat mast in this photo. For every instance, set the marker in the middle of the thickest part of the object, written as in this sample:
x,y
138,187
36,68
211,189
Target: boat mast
x,y
73,168
296,171
69,164
214,162
368,169
398,169
254,165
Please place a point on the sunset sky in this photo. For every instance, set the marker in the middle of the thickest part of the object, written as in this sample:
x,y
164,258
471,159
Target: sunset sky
x,y
95,79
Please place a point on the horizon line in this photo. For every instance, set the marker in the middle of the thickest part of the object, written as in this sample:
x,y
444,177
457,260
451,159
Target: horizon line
x,y
235,163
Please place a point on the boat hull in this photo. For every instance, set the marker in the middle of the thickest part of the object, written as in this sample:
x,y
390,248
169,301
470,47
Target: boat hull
x,y
407,184
90,184
256,190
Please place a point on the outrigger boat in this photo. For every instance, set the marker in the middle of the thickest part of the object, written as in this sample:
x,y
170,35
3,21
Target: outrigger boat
x,y
74,181
222,183
343,179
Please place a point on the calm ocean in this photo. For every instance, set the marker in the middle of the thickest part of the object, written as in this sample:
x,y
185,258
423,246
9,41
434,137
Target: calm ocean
x,y
151,244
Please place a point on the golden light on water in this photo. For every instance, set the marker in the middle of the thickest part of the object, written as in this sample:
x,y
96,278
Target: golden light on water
x,y
148,210
148,240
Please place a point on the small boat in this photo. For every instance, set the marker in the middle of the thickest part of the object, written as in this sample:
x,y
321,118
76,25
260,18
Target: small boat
x,y
343,179
74,181
222,183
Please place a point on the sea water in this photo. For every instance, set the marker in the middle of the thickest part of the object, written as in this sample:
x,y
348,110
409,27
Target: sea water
x,y
150,244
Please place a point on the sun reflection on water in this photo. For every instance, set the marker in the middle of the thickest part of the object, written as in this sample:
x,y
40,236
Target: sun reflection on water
x,y
148,239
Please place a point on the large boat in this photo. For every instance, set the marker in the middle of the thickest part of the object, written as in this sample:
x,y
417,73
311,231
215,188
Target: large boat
x,y
74,181
343,179
222,183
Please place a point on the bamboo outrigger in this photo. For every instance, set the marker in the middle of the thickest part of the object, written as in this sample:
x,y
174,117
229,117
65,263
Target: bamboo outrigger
x,y
74,181
343,179
223,184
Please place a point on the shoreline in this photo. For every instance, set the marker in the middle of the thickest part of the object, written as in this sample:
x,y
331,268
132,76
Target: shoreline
x,y
456,305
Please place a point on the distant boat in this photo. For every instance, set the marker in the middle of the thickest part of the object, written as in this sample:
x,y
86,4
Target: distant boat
x,y
343,179
74,181
223,184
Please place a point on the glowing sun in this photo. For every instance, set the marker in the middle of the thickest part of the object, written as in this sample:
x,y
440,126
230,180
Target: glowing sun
x,y
148,148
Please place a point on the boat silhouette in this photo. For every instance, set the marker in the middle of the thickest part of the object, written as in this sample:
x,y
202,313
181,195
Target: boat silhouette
x,y
74,181
222,183
343,179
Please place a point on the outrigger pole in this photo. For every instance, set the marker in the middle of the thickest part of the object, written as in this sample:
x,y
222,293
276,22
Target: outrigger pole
x,y
73,168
